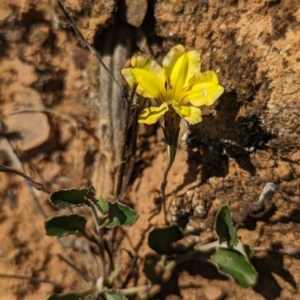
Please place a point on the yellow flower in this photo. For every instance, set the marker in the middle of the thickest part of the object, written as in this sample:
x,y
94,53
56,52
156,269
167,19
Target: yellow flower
x,y
178,85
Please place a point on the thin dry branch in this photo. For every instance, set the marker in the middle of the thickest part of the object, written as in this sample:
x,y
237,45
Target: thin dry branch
x,y
31,279
36,184
91,48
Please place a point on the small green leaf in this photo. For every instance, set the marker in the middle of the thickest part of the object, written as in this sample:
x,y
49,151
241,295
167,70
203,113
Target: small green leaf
x,y
102,205
113,295
249,250
118,214
64,225
224,227
160,239
69,198
235,264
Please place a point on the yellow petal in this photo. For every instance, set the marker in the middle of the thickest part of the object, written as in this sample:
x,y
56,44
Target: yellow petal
x,y
203,90
180,66
208,76
190,113
151,114
194,64
203,94
148,75
172,64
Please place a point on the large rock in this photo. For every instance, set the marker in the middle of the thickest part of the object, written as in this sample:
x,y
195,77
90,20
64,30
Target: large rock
x,y
29,122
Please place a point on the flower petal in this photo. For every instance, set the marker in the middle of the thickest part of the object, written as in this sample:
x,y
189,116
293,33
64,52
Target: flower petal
x,y
180,66
172,65
151,114
204,89
148,75
208,76
203,95
194,64
190,113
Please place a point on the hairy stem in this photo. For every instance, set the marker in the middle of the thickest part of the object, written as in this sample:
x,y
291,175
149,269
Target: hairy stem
x,y
171,136
100,241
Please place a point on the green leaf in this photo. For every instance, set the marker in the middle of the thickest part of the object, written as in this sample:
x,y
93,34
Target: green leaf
x,y
69,198
160,239
102,205
64,225
249,250
118,214
113,295
235,264
224,227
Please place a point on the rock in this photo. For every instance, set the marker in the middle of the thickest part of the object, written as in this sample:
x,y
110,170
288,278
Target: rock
x,y
38,34
26,74
136,12
32,127
14,34
92,16
213,293
295,157
284,170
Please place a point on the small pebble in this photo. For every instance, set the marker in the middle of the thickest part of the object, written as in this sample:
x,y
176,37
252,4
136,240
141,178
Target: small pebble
x,y
213,293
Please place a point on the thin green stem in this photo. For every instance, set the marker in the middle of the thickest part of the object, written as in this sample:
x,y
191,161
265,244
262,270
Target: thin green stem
x,y
87,292
183,259
171,136
99,230
134,290
113,275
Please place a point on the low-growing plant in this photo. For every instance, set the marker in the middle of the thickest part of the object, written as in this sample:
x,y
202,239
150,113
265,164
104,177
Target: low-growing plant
x,y
177,90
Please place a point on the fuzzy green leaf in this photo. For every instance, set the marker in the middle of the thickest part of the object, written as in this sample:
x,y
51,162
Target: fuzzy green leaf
x,y
224,227
236,265
69,198
160,239
102,205
120,215
113,295
64,225
249,250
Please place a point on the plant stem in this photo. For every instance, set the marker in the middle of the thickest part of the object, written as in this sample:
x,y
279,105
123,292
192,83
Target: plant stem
x,y
134,290
82,274
113,275
90,47
99,230
171,136
87,292
171,265
31,279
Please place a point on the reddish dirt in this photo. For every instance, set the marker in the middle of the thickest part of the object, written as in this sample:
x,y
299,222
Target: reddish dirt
x,y
248,138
